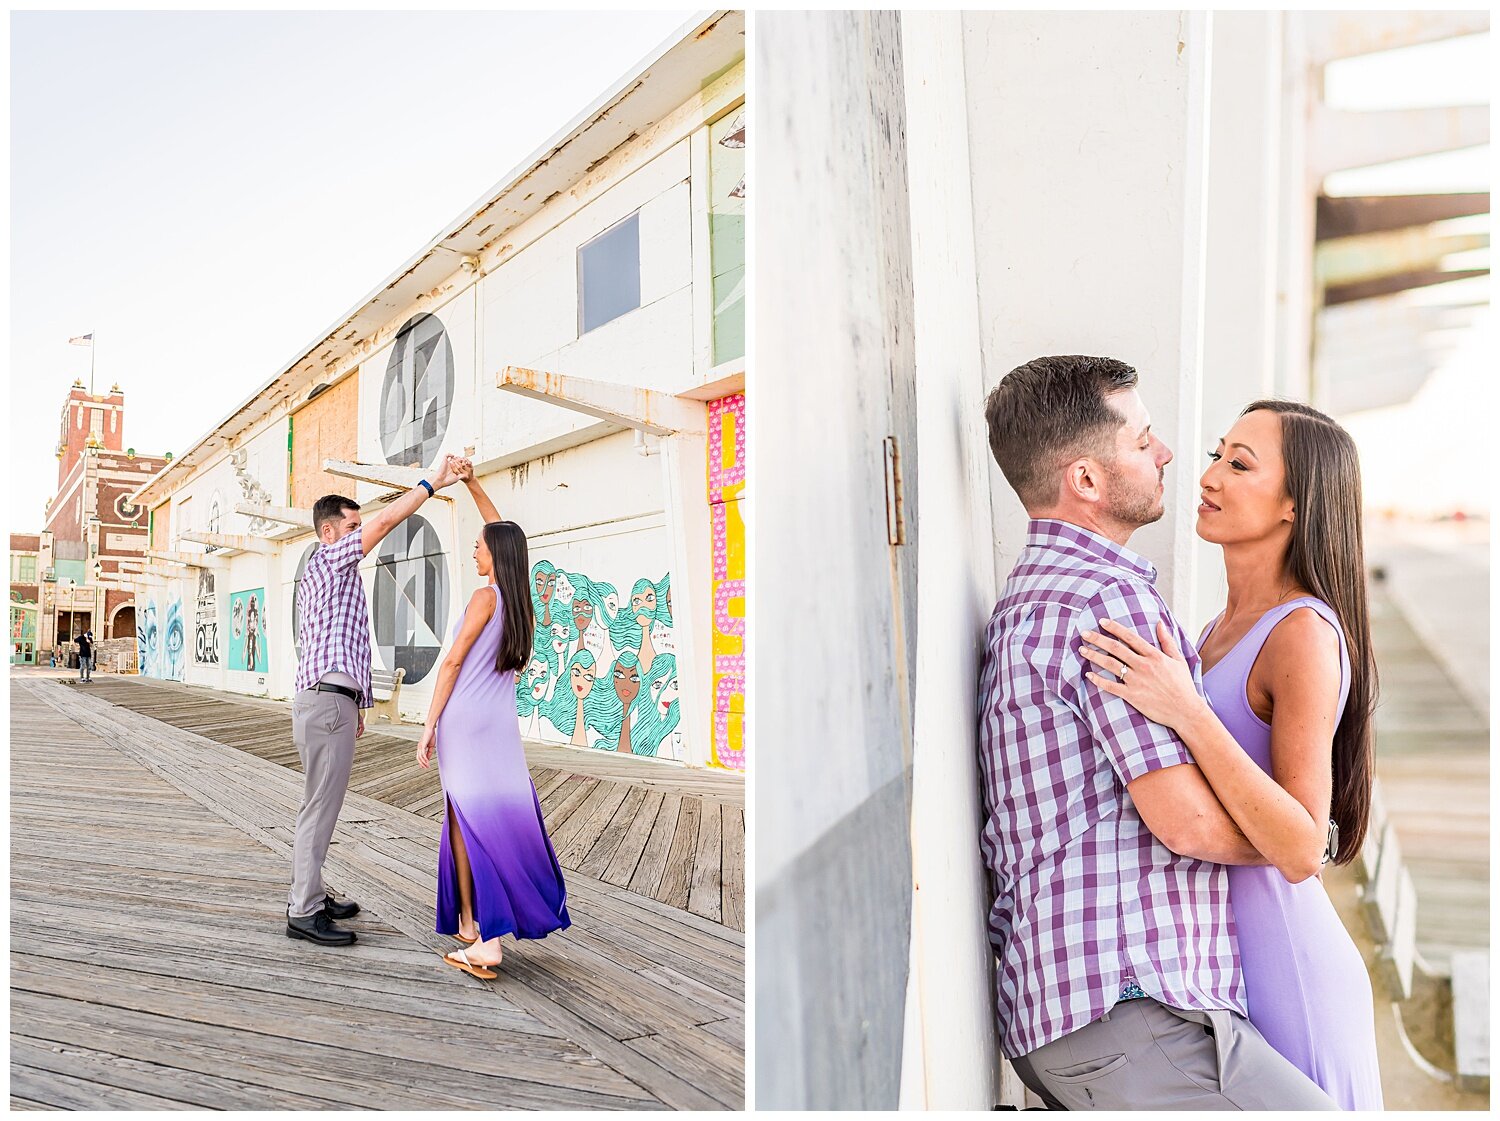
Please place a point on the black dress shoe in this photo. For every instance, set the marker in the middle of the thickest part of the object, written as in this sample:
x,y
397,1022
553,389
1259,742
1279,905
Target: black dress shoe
x,y
318,928
339,910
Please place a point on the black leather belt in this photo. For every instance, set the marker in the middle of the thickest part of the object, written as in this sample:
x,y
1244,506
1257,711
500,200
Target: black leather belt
x,y
330,687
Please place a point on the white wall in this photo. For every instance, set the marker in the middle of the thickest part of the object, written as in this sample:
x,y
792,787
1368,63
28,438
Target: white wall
x,y
1087,148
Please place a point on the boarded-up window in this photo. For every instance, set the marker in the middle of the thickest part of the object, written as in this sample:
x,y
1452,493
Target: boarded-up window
x,y
327,427
161,528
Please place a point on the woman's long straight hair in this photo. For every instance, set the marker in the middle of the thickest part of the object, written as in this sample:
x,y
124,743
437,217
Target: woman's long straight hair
x,y
509,559
1327,557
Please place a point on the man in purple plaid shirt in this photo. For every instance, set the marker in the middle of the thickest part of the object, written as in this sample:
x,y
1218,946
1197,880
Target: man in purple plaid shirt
x,y
1117,969
333,690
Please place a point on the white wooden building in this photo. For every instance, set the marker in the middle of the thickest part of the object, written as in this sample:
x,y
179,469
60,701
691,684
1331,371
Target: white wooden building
x,y
580,327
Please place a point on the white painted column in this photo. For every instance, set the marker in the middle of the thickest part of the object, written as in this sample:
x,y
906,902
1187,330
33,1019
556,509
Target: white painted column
x,y
684,462
950,1056
1298,216
1240,278
1087,149
830,709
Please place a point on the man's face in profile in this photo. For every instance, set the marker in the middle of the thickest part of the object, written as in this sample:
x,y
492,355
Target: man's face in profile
x,y
1135,481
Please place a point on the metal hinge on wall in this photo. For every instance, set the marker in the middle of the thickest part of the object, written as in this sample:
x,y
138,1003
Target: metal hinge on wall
x,y
895,515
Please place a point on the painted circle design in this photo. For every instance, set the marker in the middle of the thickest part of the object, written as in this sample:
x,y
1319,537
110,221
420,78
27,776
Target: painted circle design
x,y
297,598
411,598
418,392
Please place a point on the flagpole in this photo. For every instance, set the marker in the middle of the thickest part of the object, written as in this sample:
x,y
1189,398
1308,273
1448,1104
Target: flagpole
x,y
93,342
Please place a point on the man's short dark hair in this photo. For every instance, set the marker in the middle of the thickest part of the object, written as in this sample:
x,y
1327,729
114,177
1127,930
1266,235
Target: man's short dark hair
x,y
1048,412
330,508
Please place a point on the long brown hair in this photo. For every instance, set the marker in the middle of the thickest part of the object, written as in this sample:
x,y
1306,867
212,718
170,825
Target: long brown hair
x,y
508,560
1327,557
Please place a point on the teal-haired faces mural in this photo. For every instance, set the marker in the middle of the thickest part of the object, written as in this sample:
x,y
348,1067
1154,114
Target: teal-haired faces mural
x,y
593,659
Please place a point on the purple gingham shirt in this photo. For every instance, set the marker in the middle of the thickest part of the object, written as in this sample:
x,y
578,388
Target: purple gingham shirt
x,y
335,624
1086,898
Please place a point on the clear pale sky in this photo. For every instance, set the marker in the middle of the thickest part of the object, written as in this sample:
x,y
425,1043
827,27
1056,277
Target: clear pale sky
x,y
209,191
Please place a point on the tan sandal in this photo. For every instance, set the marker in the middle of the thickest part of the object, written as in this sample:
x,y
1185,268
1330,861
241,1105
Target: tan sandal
x,y
469,941
459,959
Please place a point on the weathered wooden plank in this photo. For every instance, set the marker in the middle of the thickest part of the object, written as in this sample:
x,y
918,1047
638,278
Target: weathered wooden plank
x,y
190,1086
677,875
603,850
734,867
622,865
648,870
574,849
705,893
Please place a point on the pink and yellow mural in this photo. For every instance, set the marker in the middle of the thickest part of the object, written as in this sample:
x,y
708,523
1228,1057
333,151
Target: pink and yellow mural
x,y
726,487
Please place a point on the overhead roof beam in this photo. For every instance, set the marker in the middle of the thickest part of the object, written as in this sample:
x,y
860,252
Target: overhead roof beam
x,y
1402,282
1369,214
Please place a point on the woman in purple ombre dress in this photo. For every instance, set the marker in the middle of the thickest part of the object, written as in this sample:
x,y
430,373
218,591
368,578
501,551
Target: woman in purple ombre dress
x,y
497,872
1285,739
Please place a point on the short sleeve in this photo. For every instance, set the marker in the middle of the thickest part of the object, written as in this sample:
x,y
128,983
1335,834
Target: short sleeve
x,y
1134,745
346,552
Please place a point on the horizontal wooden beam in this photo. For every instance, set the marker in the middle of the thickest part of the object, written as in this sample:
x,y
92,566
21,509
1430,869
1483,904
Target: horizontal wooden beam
x,y
645,410
1370,214
1351,260
1330,36
235,541
283,514
192,560
176,572
1384,286
1341,139
381,474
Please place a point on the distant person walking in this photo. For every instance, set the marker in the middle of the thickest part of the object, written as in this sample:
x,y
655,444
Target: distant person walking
x,y
333,689
86,656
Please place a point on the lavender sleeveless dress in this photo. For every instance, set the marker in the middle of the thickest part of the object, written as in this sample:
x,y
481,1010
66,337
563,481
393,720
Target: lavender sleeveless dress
x,y
1305,982
518,884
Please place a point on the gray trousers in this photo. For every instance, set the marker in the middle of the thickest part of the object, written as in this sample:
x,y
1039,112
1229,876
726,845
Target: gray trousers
x,y
1144,1055
85,668
323,727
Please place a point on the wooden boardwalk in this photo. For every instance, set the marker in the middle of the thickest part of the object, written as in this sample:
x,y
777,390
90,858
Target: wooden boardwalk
x,y
667,832
149,968
1432,757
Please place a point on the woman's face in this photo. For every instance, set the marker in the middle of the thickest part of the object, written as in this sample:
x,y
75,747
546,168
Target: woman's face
x,y
664,692
581,680
583,614
1243,493
643,606
482,562
559,637
546,584
536,678
627,683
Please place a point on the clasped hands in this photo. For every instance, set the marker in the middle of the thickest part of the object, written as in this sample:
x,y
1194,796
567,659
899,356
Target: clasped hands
x,y
455,469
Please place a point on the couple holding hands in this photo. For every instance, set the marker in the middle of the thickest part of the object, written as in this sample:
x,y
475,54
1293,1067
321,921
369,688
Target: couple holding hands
x,y
497,872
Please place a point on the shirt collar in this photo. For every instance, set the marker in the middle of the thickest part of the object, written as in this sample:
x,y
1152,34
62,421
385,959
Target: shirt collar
x,y
1065,537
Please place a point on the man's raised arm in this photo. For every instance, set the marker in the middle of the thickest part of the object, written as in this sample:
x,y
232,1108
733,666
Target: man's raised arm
x,y
375,530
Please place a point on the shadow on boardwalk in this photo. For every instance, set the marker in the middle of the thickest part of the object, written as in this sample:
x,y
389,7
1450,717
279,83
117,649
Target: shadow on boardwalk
x,y
149,968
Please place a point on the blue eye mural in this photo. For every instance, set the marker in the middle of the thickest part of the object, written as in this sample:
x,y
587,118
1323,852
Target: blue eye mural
x,y
146,639
174,641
